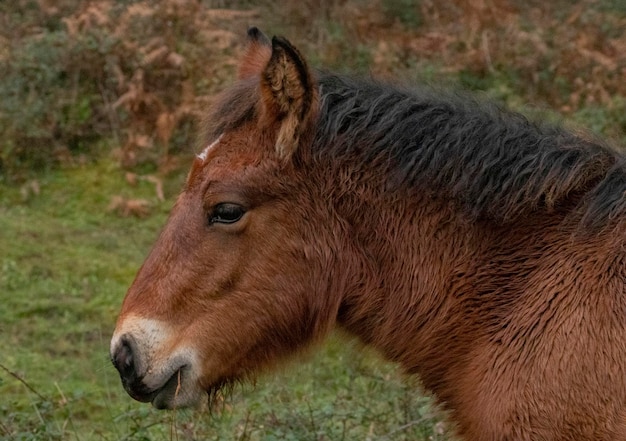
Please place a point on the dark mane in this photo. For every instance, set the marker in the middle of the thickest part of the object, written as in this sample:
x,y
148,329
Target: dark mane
x,y
233,107
496,163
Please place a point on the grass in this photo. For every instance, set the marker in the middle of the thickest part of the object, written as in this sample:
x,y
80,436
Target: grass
x,y
66,263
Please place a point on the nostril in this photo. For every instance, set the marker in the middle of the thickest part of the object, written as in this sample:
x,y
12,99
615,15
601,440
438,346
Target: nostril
x,y
123,359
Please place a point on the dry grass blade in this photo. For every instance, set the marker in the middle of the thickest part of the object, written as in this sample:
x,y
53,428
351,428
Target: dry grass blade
x,y
24,382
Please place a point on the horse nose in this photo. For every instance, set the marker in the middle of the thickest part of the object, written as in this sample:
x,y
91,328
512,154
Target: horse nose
x,y
126,359
123,358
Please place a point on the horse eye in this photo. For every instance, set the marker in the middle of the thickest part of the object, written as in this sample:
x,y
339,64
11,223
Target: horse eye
x,y
226,213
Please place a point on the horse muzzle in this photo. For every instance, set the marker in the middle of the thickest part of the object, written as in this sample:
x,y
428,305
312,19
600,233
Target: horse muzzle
x,y
166,380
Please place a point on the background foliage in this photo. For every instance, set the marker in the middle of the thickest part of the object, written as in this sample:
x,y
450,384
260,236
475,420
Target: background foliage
x,y
135,76
100,104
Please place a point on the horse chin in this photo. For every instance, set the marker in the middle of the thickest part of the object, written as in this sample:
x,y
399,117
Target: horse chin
x,y
180,391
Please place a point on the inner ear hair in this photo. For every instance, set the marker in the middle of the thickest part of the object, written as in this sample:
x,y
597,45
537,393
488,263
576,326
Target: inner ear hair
x,y
288,94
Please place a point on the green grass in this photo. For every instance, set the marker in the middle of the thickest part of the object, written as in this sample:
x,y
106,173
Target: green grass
x,y
66,263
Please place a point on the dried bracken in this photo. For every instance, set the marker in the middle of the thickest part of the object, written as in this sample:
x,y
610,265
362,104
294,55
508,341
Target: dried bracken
x,y
137,75
129,207
140,75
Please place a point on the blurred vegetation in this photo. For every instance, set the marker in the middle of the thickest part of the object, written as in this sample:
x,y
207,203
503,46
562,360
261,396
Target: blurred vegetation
x,y
134,77
100,103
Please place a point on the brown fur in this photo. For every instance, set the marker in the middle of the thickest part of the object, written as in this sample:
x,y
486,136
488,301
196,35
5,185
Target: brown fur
x,y
257,55
518,328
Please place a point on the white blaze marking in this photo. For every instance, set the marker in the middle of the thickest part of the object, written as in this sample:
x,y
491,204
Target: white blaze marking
x,y
202,156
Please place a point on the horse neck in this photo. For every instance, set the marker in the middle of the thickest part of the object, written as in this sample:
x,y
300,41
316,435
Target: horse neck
x,y
400,248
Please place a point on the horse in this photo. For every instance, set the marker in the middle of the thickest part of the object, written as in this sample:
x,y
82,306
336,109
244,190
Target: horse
x,y
482,252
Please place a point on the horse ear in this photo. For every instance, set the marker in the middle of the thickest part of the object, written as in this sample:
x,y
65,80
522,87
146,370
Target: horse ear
x,y
288,95
257,55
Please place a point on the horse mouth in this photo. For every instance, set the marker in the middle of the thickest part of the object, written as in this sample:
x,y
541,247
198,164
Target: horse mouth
x,y
167,395
177,391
